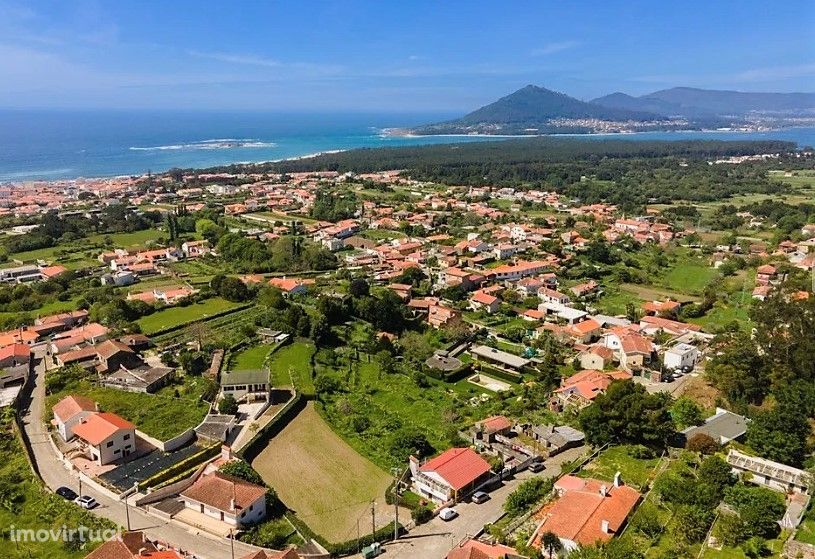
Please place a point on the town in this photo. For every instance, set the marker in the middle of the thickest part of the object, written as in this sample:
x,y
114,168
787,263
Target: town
x,y
313,364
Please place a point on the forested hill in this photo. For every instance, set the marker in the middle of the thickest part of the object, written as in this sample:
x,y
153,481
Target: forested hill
x,y
620,171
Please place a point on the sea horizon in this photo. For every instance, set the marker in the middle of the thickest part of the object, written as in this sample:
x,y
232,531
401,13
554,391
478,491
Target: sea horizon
x,y
54,144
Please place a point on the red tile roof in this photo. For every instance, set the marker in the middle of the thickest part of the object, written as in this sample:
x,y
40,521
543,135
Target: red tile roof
x,y
459,467
99,427
69,406
217,490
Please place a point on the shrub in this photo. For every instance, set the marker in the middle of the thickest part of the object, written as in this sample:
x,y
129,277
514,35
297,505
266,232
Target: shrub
x,y
422,514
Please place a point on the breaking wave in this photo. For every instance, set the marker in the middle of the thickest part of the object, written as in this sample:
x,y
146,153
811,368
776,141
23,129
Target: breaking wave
x,y
218,143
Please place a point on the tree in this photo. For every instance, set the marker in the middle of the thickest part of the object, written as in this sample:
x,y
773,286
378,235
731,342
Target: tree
x,y
241,470
551,544
407,442
527,494
228,405
232,289
359,288
193,362
780,434
702,443
759,508
716,473
627,413
692,523
686,413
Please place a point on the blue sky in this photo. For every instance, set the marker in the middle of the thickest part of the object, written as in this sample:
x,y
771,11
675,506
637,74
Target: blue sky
x,y
389,55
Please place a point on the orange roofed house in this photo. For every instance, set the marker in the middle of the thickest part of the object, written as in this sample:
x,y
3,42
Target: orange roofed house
x,y
580,389
132,545
587,511
474,549
106,437
226,498
449,475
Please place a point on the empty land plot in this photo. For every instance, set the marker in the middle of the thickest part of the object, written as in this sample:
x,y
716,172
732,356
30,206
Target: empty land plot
x,y
320,477
250,358
649,293
178,315
291,366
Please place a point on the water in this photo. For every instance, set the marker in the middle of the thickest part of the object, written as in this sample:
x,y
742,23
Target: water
x,y
51,144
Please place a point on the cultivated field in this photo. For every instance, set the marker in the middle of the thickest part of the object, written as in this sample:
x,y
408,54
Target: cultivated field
x,y
175,316
322,479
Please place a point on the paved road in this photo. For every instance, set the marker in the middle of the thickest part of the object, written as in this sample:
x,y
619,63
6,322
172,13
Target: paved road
x,y
55,474
436,538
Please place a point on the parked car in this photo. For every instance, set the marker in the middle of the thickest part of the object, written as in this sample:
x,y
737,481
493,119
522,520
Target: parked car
x,y
66,493
86,502
373,550
480,497
447,513
536,467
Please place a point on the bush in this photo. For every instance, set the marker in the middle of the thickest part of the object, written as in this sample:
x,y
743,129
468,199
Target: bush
x,y
702,443
422,514
527,494
228,405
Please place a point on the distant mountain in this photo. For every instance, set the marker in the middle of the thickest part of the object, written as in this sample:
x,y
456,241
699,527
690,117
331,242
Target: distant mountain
x,y
537,110
692,102
531,109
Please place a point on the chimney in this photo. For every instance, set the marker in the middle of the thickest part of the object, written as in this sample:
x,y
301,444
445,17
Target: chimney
x,y
603,490
226,453
142,552
605,527
618,479
232,504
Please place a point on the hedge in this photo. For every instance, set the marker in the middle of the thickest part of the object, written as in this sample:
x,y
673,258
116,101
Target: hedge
x,y
500,374
258,442
182,467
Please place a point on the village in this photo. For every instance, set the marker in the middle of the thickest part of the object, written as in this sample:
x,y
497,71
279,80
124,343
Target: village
x,y
432,359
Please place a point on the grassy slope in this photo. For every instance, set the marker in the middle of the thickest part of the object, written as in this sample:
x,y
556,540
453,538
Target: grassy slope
x,y
175,316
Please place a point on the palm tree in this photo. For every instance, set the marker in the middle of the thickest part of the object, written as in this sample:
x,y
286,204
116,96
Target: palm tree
x,y
551,543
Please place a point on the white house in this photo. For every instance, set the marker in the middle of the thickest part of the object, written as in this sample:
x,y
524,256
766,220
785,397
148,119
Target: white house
x,y
449,475
681,356
106,437
70,411
226,498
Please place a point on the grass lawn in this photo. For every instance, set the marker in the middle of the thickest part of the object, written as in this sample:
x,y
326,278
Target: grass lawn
x,y
250,358
53,307
635,471
380,234
35,508
161,415
291,364
806,530
321,478
176,316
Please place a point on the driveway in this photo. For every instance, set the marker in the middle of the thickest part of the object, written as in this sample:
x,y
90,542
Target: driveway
x,y
436,538
55,475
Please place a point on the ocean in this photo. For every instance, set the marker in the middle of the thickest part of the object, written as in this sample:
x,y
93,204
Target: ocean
x,y
61,144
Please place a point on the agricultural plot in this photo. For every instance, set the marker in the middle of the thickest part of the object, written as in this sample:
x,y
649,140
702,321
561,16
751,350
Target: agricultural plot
x,y
291,366
307,461
177,316
251,358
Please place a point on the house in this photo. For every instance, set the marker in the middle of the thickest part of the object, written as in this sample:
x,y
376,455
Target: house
x,y
551,296
587,511
132,545
597,358
554,439
290,287
772,475
585,331
499,357
250,384
269,554
14,355
20,274
485,301
661,308
635,351
448,476
681,357
194,249
226,498
586,289
439,316
105,437
486,430
580,389
113,355
476,549
723,427
766,274
144,379
70,411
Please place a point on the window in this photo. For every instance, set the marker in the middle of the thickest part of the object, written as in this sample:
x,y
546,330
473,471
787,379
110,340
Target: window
x,y
117,451
126,437
110,444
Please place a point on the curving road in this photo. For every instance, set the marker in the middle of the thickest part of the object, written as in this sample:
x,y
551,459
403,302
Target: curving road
x,y
54,474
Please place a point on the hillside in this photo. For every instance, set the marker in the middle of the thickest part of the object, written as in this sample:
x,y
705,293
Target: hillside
x,y
532,109
691,102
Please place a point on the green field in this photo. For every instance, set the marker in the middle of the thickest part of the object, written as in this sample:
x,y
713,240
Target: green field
x,y
250,358
307,461
291,366
162,415
635,471
176,316
27,505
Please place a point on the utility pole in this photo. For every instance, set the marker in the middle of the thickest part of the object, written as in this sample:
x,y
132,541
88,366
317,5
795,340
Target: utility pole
x,y
80,485
232,543
127,514
396,474
373,518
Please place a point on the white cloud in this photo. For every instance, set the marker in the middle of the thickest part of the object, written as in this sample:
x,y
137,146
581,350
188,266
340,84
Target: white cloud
x,y
553,48
244,59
